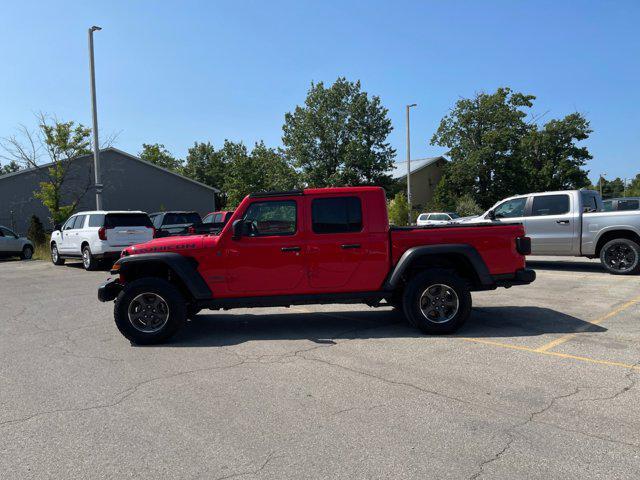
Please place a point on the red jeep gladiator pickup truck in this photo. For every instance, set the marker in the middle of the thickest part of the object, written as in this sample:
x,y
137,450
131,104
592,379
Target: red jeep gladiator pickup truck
x,y
331,245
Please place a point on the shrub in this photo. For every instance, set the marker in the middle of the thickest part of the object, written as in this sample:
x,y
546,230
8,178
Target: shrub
x,y
467,206
36,231
399,210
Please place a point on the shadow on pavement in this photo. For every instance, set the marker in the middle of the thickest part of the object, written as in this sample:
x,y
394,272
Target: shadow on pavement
x,y
224,329
566,266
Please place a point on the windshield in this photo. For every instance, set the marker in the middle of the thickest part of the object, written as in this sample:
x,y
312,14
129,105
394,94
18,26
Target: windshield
x,y
454,215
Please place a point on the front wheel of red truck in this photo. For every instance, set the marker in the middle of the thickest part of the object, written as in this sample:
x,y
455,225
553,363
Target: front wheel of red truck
x,y
437,301
149,310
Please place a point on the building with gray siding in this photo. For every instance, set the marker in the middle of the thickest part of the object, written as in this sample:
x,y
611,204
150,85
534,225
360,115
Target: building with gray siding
x,y
130,183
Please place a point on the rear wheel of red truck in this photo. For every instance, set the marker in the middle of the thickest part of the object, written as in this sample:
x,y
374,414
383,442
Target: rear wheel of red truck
x,y
149,310
437,301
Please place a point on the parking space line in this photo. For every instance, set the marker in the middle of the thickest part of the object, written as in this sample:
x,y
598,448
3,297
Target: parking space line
x,y
553,354
565,338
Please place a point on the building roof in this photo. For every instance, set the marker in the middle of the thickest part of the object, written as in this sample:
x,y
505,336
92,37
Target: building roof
x,y
400,169
124,154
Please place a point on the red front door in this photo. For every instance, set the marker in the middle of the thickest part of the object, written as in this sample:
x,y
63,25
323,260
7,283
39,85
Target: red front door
x,y
269,260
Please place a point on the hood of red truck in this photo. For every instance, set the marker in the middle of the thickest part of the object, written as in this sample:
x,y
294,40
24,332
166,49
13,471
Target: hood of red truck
x,y
167,244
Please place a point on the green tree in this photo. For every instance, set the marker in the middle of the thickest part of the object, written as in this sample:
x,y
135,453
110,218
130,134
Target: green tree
x,y
495,152
611,188
399,210
263,169
633,188
205,164
60,144
552,159
10,167
339,137
157,154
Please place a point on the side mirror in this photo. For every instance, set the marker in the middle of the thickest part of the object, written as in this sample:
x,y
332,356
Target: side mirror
x,y
237,229
491,215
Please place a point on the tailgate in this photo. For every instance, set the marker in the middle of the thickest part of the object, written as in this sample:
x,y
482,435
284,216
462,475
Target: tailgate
x,y
125,236
124,229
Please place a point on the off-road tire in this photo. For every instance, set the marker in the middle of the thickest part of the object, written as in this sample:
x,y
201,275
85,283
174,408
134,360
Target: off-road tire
x,y
449,290
56,259
175,302
621,256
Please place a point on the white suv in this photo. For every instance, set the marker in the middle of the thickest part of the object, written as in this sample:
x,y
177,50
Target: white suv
x,y
436,218
94,236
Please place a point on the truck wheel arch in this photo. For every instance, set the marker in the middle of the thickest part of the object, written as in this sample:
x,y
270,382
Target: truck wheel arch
x,y
177,268
462,257
613,234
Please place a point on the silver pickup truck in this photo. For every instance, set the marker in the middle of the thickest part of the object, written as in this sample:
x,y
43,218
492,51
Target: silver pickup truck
x,y
573,223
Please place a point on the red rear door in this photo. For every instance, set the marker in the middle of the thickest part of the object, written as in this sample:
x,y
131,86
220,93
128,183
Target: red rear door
x,y
343,254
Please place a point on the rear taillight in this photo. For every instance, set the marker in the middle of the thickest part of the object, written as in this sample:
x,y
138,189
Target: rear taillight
x,y
523,245
102,233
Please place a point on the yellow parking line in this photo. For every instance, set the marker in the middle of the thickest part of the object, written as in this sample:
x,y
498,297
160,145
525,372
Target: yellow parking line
x,y
565,338
553,354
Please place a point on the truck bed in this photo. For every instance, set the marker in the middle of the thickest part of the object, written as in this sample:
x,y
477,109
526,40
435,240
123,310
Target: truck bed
x,y
496,243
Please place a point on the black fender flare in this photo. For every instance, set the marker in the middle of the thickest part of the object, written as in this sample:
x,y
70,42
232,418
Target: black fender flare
x,y
185,268
464,250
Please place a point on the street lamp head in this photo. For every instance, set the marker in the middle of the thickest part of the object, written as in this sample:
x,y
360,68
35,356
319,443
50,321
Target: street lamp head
x,y
412,105
95,28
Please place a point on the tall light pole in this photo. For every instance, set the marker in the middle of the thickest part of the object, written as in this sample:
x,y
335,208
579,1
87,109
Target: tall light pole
x,y
94,112
601,178
409,161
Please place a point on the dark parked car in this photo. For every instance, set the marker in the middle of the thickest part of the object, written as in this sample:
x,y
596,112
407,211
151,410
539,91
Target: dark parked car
x,y
627,203
168,224
212,223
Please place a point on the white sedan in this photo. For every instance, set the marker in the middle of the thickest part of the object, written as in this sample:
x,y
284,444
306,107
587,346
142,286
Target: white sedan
x,y
436,218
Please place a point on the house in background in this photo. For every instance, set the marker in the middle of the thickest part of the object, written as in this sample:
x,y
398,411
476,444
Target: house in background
x,y
130,183
425,175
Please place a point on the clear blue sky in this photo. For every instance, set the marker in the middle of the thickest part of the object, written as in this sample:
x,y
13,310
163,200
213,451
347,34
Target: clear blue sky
x,y
181,71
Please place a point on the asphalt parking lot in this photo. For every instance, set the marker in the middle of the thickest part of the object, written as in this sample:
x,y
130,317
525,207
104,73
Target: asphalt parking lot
x,y
541,383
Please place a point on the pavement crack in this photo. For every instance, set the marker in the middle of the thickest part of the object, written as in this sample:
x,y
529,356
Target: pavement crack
x,y
250,472
631,383
121,396
494,458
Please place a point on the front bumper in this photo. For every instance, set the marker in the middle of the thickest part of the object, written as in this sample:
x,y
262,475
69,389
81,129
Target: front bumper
x,y
109,290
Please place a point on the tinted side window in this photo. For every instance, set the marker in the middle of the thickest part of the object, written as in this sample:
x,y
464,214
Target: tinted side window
x,y
336,215
6,232
271,218
96,220
439,216
217,218
628,204
69,223
511,208
590,204
550,205
208,219
79,223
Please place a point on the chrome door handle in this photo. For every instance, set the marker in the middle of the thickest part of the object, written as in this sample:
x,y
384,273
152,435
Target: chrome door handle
x,y
563,222
350,245
290,249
